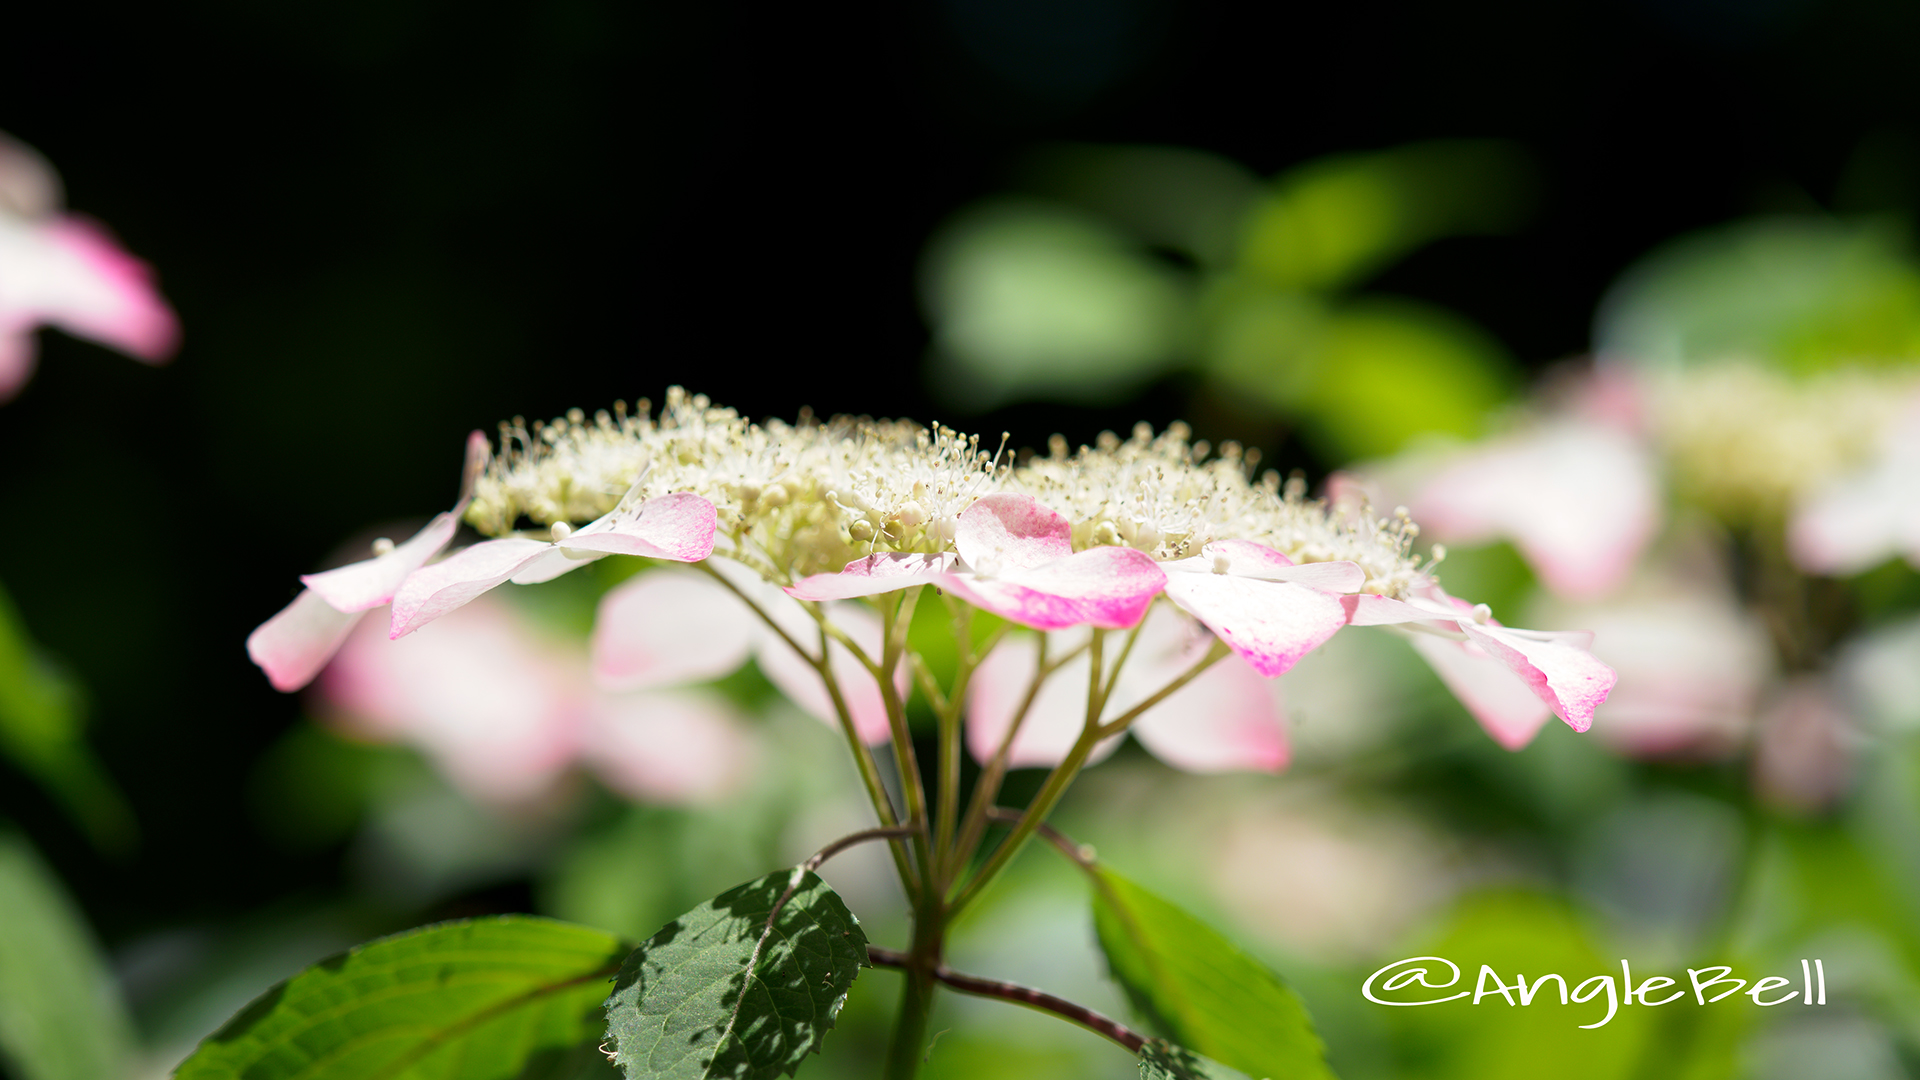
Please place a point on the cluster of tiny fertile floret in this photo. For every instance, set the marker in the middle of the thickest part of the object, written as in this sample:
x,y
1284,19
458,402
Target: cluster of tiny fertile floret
x,y
1747,442
809,497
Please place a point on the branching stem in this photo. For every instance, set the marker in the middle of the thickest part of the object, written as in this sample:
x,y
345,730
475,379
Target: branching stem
x,y
1020,995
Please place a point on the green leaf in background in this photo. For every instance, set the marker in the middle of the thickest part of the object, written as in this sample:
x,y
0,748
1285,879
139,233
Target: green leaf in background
x,y
1174,197
1800,293
1334,221
60,1013
479,999
1201,989
726,990
41,722
1039,300
1164,1061
1365,377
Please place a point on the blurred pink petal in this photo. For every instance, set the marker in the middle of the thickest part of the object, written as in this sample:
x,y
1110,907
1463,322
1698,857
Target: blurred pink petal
x,y
1053,723
1228,719
499,711
295,644
1239,589
1692,665
796,677
1804,757
1556,668
672,747
1579,500
29,188
1865,518
665,627
878,573
1108,587
66,271
17,355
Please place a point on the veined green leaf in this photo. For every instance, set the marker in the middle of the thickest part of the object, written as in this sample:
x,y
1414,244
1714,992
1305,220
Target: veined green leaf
x,y
1164,1061
732,989
60,1015
479,999
1202,990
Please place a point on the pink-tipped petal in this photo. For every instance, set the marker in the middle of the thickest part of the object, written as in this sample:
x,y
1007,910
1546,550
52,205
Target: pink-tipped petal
x,y
1369,610
432,591
371,583
1571,680
878,573
551,563
1505,705
1052,724
679,748
1227,720
678,527
91,288
1271,624
665,627
1006,531
1109,587
295,644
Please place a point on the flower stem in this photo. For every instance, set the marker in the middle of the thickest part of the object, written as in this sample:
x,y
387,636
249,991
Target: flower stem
x,y
862,757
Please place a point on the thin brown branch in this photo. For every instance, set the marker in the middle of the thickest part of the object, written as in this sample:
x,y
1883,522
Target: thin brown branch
x,y
1021,995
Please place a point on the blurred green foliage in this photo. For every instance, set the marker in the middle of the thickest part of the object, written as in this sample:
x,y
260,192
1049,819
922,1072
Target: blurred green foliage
x,y
1798,293
61,1017
42,729
1127,263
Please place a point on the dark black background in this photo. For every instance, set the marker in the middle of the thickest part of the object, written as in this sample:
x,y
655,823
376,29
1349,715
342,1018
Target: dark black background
x,y
385,223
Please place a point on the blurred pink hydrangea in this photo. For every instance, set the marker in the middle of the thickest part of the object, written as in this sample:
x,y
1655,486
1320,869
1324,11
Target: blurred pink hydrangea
x,y
59,269
505,711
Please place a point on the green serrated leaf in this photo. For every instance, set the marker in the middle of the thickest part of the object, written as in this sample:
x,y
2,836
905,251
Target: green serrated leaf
x,y
1201,989
728,991
1164,1061
478,999
60,1016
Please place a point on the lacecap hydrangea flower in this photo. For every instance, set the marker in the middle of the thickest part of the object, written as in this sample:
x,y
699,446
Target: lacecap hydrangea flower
x,y
798,522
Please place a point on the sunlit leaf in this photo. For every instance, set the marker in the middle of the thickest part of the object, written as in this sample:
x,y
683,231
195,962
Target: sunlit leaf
x,y
1366,377
1336,220
730,989
1032,299
41,723
1801,293
60,1014
1202,990
479,999
1164,1061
